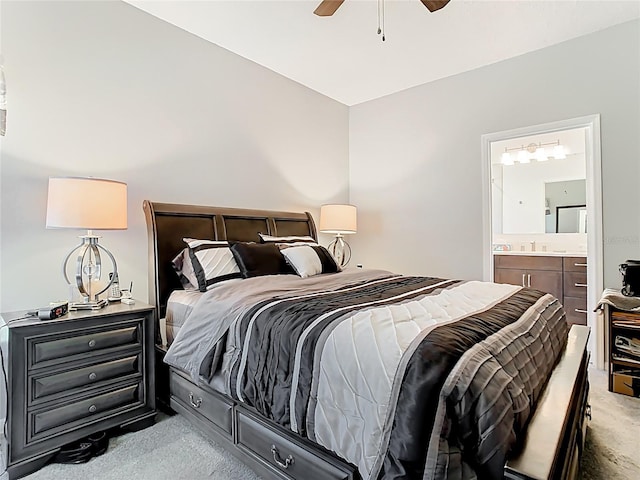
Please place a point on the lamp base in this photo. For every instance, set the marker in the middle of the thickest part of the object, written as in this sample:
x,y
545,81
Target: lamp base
x,y
88,305
88,269
340,250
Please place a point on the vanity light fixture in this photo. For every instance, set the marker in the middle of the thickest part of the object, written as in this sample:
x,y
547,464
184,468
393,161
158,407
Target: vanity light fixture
x,y
533,151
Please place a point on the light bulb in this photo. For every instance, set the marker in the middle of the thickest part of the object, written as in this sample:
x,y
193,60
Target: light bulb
x,y
559,153
506,159
523,156
540,155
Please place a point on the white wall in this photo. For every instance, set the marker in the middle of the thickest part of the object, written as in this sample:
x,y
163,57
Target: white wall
x,y
415,156
103,89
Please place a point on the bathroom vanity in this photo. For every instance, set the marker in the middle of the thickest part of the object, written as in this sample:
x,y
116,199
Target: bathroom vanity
x,y
562,275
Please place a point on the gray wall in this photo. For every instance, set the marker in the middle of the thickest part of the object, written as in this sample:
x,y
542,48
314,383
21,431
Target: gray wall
x,y
103,89
415,156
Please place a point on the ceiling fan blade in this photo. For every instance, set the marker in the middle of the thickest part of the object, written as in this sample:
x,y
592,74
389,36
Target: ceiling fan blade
x,y
434,5
328,7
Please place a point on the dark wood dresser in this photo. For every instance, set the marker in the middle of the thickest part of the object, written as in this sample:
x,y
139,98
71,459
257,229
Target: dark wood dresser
x,y
68,378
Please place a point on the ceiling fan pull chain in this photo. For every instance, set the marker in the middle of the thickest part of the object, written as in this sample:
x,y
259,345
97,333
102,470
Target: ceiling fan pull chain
x,y
381,18
383,38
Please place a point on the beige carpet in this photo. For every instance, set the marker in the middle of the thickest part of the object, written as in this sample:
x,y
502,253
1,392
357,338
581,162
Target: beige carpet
x,y
173,450
612,449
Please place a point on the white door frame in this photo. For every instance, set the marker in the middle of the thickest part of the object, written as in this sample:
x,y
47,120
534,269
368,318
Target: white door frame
x,y
595,268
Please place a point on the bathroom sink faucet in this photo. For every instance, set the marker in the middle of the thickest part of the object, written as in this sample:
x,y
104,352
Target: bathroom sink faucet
x,y
533,246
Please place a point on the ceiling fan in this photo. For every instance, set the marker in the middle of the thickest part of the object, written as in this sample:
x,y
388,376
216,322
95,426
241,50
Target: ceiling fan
x,y
329,7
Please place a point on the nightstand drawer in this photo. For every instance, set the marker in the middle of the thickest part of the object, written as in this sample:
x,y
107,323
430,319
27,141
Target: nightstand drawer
x,y
44,386
54,420
83,341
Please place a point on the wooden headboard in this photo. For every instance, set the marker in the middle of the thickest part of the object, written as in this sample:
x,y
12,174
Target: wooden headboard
x,y
168,224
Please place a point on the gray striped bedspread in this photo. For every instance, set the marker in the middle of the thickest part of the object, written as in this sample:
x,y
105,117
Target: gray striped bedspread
x,y
404,377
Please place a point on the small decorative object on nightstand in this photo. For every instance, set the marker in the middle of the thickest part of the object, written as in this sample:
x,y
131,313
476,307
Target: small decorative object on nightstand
x,y
75,376
622,316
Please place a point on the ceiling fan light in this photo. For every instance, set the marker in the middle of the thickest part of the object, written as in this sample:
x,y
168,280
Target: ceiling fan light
x,y
506,159
559,152
523,156
541,156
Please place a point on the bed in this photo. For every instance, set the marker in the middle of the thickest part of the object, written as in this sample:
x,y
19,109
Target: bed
x,y
285,372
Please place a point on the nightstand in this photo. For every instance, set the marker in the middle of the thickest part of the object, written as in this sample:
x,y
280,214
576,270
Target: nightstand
x,y
67,378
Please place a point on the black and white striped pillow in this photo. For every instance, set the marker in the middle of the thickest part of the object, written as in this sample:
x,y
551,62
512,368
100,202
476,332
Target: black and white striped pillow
x,y
212,262
264,238
183,266
309,260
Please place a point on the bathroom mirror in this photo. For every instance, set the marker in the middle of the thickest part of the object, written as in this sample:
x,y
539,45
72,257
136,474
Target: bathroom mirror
x,y
530,183
565,206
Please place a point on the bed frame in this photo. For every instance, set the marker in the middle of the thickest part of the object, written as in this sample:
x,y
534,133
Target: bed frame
x,y
554,439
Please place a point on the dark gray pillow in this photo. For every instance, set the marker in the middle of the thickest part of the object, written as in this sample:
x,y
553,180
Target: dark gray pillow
x,y
257,259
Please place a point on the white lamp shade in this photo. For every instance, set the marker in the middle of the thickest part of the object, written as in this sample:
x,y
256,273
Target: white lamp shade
x,y
86,203
338,219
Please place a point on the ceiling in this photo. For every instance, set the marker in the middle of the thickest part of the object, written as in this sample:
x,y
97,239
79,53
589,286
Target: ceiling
x,y
344,58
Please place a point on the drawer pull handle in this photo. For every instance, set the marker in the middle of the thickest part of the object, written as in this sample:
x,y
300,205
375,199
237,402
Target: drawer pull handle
x,y
579,264
195,402
528,280
92,376
523,280
579,310
92,343
276,458
580,284
92,408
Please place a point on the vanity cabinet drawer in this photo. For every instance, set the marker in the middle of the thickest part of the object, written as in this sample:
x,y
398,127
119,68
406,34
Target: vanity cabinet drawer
x,y
213,407
50,421
574,264
282,455
42,387
576,310
575,284
80,342
528,262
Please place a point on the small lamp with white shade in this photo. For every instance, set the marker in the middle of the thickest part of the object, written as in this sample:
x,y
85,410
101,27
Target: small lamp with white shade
x,y
341,220
92,204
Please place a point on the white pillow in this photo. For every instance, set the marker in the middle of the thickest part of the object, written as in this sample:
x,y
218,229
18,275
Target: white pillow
x,y
308,260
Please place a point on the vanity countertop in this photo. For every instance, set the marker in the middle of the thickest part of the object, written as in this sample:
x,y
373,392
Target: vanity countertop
x,y
542,253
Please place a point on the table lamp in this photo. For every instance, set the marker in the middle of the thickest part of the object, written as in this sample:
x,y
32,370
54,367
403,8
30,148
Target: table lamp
x,y
340,220
91,204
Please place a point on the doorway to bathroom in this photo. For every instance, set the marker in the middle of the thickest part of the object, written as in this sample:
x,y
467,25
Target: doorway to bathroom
x,y
542,209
